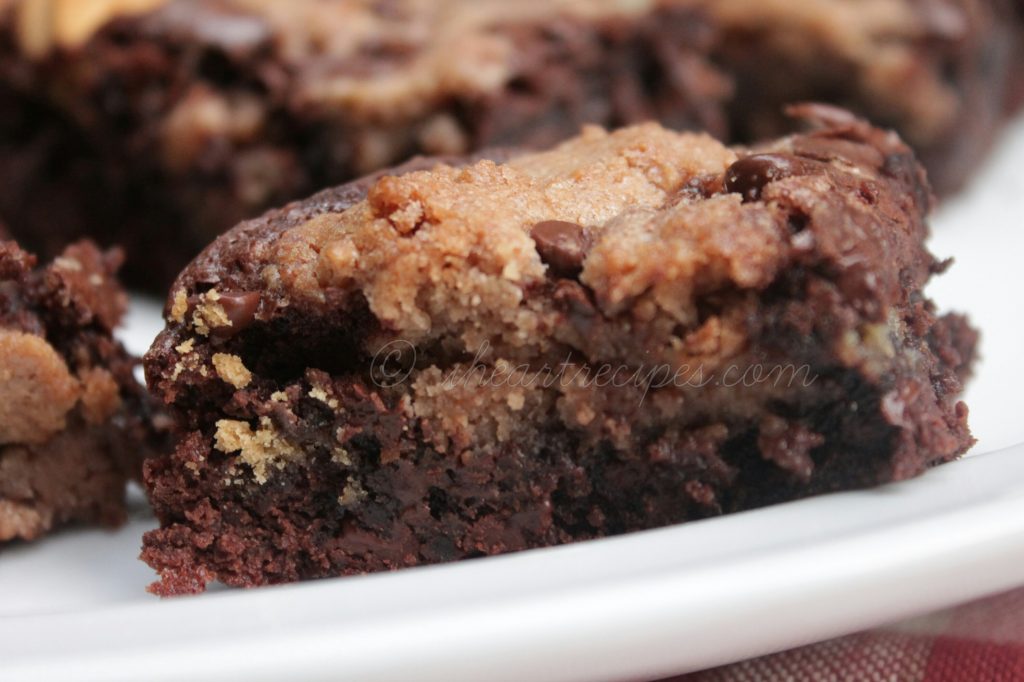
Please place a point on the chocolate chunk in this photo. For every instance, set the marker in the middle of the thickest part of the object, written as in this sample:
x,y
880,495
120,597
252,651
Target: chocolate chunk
x,y
240,307
749,175
562,245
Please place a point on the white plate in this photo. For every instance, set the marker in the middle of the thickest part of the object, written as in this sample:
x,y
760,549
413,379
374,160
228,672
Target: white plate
x,y
640,606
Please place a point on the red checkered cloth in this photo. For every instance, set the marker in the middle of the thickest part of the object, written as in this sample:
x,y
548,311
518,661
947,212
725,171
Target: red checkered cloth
x,y
981,641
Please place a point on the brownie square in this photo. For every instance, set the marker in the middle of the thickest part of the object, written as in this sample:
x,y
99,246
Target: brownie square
x,y
940,72
74,422
631,329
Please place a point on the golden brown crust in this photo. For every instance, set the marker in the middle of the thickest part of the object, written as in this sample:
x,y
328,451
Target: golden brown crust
x,y
223,108
228,107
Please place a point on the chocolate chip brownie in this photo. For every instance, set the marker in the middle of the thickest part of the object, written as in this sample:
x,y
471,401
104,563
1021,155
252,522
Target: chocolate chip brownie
x,y
157,124
74,422
633,329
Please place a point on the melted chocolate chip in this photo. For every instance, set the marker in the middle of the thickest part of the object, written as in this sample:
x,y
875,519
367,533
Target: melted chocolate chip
x,y
240,307
575,302
562,245
749,175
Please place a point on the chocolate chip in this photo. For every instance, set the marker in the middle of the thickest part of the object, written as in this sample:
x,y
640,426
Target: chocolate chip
x,y
562,245
575,302
749,175
240,307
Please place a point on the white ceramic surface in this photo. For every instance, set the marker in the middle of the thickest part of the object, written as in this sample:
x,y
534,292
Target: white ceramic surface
x,y
641,606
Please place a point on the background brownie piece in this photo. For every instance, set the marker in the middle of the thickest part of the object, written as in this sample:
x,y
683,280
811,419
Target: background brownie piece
x,y
635,329
936,70
74,422
1016,75
157,124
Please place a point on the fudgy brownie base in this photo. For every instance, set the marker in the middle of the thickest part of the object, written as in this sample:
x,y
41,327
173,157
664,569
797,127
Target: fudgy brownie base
x,y
157,124
420,367
74,422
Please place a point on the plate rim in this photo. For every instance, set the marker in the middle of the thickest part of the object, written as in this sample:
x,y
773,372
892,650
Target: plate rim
x,y
569,630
